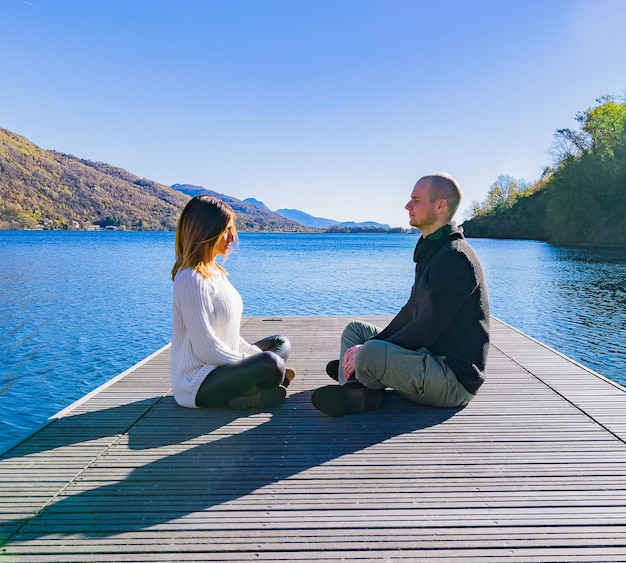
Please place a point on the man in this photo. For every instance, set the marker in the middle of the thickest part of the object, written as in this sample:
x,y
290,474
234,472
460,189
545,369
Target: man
x,y
435,349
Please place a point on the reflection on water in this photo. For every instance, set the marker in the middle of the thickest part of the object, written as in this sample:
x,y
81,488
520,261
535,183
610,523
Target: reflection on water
x,y
78,308
572,299
322,274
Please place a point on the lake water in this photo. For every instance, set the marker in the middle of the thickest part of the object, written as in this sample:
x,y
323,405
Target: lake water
x,y
78,308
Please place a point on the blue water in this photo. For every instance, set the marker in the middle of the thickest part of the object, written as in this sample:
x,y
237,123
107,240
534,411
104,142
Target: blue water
x,y
78,308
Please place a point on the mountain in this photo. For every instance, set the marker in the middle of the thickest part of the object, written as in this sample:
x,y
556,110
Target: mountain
x,y
46,189
42,189
363,225
321,223
293,217
256,202
53,190
250,216
306,219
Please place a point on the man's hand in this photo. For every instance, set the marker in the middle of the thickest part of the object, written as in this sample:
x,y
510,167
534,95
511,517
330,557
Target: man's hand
x,y
348,362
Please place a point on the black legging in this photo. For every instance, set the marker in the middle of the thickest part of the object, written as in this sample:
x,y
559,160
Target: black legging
x,y
263,370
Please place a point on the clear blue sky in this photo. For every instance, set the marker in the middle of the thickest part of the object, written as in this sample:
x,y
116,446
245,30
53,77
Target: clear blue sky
x,y
333,107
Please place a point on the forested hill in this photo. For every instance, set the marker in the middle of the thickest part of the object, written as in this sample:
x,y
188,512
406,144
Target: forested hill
x,y
51,190
579,201
250,216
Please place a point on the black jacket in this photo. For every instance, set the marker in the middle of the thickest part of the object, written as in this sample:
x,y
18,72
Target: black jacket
x,y
448,310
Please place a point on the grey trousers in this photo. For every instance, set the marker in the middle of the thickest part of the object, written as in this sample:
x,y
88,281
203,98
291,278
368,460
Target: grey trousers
x,y
419,375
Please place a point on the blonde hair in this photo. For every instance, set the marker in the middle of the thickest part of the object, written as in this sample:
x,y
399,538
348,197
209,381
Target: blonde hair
x,y
200,225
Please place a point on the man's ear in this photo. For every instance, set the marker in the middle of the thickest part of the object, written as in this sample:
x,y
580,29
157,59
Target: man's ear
x,y
442,206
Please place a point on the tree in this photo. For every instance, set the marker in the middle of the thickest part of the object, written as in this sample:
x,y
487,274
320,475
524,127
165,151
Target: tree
x,y
605,124
601,127
581,201
502,194
568,144
109,221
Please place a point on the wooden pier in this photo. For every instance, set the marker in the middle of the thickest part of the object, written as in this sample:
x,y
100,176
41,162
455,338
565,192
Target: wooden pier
x,y
534,469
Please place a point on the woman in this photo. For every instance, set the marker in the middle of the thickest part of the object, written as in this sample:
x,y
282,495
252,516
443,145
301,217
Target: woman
x,y
212,365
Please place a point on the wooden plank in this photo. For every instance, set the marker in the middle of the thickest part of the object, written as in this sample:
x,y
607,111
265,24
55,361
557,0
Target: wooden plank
x,y
534,469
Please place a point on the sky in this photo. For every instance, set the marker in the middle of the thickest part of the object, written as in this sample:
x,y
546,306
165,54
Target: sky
x,y
332,107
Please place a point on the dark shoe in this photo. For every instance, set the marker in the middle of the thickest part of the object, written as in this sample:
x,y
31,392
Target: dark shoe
x,y
290,375
263,399
332,369
351,398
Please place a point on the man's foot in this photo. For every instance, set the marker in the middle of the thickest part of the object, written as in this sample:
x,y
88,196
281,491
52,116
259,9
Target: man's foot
x,y
290,375
351,398
263,399
332,369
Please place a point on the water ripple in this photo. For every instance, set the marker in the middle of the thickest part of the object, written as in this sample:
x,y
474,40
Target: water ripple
x,y
79,308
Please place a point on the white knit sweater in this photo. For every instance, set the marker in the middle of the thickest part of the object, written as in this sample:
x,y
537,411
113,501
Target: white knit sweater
x,y
205,331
